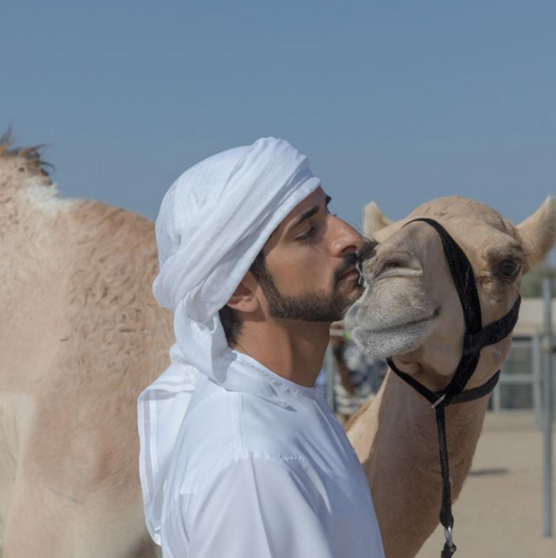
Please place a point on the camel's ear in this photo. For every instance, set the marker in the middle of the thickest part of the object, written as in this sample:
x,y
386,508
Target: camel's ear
x,y
373,220
538,233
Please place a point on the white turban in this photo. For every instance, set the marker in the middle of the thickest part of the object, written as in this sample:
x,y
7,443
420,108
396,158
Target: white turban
x,y
213,221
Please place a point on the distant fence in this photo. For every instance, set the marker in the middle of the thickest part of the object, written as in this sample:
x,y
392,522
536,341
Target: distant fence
x,y
520,386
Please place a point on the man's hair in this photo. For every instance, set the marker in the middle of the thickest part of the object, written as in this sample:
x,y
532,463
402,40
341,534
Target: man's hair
x,y
231,320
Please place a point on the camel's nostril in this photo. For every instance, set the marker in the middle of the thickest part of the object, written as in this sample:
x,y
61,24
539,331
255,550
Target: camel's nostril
x,y
399,264
394,265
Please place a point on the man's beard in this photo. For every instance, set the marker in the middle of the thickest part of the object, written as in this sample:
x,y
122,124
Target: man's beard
x,y
311,307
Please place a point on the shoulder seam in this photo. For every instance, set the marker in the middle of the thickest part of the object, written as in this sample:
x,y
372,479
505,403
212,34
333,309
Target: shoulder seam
x,y
244,455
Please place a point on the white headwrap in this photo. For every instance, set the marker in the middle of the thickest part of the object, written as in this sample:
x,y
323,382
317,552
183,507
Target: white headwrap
x,y
213,221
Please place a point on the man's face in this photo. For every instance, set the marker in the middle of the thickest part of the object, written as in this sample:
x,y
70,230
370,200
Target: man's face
x,y
310,259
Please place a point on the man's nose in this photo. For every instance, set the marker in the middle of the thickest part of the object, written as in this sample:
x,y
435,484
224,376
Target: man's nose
x,y
347,240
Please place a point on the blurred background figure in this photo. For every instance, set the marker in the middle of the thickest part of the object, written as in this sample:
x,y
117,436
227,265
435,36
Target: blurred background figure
x,y
357,377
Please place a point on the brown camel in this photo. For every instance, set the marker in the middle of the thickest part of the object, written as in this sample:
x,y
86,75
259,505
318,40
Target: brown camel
x,y
81,336
411,310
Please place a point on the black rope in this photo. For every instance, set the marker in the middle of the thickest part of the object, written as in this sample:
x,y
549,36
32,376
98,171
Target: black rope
x,y
446,517
440,401
493,333
462,275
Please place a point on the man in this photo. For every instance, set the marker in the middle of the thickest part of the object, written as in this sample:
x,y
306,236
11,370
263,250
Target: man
x,y
240,455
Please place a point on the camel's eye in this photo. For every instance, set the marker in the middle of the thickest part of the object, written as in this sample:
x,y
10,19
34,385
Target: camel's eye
x,y
508,270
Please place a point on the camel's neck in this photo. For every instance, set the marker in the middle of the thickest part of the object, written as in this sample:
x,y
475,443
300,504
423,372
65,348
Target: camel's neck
x,y
397,442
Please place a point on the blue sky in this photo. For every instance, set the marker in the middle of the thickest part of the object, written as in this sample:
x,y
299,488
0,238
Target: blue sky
x,y
397,101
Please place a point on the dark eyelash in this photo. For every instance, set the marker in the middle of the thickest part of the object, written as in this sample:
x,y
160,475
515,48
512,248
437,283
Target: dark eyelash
x,y
310,232
328,209
307,235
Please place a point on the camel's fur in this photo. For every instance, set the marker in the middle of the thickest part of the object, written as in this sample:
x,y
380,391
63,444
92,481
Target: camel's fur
x,y
80,337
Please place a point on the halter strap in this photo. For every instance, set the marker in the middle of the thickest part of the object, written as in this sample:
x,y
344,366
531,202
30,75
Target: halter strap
x,y
462,275
476,338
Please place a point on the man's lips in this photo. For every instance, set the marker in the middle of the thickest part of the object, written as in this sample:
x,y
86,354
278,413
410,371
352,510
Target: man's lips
x,y
351,273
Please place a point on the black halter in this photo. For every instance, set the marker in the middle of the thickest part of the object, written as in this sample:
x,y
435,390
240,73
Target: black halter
x,y
476,337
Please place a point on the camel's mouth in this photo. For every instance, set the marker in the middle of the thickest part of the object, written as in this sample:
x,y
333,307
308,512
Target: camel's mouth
x,y
384,339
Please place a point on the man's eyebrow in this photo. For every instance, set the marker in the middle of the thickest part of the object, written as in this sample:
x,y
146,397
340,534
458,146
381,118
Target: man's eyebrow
x,y
308,214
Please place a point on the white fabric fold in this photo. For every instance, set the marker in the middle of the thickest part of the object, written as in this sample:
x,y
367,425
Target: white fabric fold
x,y
213,221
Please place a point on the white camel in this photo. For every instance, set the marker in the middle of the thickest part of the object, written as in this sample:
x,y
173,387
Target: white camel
x,y
81,336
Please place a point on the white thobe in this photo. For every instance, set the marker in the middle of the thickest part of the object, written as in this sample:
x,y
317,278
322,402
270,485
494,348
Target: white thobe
x,y
251,479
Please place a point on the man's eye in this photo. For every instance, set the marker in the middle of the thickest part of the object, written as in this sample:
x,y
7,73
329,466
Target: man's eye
x,y
307,235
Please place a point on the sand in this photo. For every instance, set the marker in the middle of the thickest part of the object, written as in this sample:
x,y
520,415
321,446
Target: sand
x,y
500,511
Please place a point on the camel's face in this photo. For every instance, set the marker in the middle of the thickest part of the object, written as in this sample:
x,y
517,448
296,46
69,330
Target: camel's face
x,y
410,308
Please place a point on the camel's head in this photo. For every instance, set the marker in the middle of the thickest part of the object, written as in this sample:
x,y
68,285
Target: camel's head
x,y
19,169
410,309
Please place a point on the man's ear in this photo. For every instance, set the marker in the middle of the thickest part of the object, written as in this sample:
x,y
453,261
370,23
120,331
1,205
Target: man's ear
x,y
244,299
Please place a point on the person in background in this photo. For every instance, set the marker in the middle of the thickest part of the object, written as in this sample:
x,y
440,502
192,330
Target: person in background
x,y
357,378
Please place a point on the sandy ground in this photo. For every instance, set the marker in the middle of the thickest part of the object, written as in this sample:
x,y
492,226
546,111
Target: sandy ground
x,y
500,511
